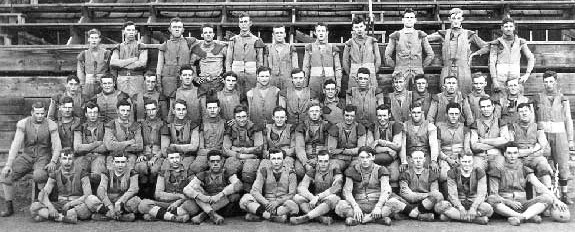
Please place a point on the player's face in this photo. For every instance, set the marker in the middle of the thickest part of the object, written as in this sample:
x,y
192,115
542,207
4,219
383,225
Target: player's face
x,y
421,85
72,86
107,85
277,160
130,32
264,78
383,116
150,83
180,111
245,23
466,162
241,118
330,91
213,110
365,159
363,80
450,85
208,34
120,163
456,20
508,29
298,80
151,111
66,109
321,33
323,162
280,118
280,34
524,114
399,84
418,158
359,29
549,83
349,117
479,83
92,114
486,108
67,160
174,159
39,114
176,29
416,114
513,87
409,20
511,154
187,77
215,163
124,112
230,83
314,113
94,40
453,115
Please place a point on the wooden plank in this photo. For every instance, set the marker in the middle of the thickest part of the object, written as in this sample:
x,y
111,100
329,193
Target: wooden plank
x,y
8,122
535,83
11,105
31,86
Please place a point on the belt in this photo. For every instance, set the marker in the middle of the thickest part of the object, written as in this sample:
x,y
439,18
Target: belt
x,y
552,127
342,157
68,198
127,72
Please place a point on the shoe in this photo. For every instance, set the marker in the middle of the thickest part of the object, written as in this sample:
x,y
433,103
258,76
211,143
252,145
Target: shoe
x,y
182,218
400,216
279,219
444,218
9,209
325,220
198,219
351,221
480,220
217,219
384,221
535,219
99,217
565,199
71,217
253,218
394,205
37,218
130,217
426,217
514,221
148,217
299,220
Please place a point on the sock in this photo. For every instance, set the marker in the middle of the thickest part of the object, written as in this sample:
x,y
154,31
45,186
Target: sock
x,y
408,208
422,209
260,211
103,210
161,212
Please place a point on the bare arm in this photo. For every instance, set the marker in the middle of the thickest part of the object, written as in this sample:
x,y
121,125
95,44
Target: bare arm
x,y
300,148
56,143
112,143
335,187
139,144
159,68
432,112
346,63
385,191
433,146
16,143
257,188
476,146
234,186
160,193
337,66
132,190
116,62
530,59
568,120
306,65
481,192
347,192
228,147
52,110
194,142
194,189
303,188
230,56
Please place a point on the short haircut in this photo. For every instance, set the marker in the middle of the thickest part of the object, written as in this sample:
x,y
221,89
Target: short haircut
x,y
239,109
263,69
484,99
123,102
323,152
453,105
208,25
66,99
109,75
398,75
478,75
510,144
149,73
320,24
94,31
407,11
507,20
275,151
415,105
210,100
350,108
67,151
278,26
175,20
212,153
73,77
278,109
91,105
182,102
523,105
148,101
363,70
230,73
357,20
119,154
38,105
455,11
314,103
296,71
367,149
128,23
186,67
550,73
419,77
243,15
383,107
449,77
329,82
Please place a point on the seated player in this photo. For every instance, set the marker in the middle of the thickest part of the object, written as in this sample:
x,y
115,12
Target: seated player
x,y
325,182
72,192
272,192
150,161
453,140
366,192
487,136
89,143
419,185
123,135
215,190
351,136
507,191
181,135
420,135
170,203
117,190
467,187
281,135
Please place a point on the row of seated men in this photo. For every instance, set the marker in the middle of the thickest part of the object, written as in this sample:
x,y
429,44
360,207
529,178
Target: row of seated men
x,y
245,143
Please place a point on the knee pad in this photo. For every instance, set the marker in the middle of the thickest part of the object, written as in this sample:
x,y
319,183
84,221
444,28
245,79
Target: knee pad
x,y
547,199
35,207
294,208
494,200
485,210
82,211
132,204
435,196
341,208
93,203
145,206
442,206
560,216
40,176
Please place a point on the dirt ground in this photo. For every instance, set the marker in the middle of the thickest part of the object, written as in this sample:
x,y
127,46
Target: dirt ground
x,y
21,221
